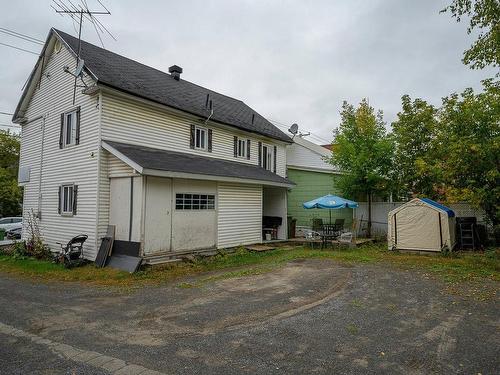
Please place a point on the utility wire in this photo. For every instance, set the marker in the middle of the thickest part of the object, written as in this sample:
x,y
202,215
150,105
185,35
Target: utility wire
x,y
22,36
6,113
19,48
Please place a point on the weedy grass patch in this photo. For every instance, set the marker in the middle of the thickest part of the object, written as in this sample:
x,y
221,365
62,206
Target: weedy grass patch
x,y
456,268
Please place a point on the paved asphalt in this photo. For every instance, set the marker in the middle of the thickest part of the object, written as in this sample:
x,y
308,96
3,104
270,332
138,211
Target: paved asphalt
x,y
309,317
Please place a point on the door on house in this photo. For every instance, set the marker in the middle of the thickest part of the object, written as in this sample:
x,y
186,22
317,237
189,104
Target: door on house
x,y
158,215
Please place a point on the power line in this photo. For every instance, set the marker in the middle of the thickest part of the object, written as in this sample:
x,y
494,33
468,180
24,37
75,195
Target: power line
x,y
19,48
6,113
20,36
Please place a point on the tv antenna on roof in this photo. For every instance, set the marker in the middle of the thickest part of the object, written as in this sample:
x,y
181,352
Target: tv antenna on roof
x,y
78,12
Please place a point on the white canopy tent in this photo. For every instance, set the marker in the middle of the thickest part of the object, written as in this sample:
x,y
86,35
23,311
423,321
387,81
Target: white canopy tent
x,y
421,225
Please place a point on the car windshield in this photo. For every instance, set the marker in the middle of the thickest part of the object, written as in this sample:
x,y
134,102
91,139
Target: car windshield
x,y
5,221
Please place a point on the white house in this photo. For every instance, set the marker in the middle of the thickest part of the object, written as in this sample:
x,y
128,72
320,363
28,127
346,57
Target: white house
x,y
174,166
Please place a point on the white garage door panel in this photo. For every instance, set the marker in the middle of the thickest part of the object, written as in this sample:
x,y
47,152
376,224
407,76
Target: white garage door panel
x,y
239,214
158,215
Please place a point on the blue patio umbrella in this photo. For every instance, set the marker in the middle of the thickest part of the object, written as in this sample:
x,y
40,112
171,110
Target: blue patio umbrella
x,y
330,202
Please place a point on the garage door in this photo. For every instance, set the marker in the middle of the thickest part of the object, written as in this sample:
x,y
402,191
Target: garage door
x,y
239,219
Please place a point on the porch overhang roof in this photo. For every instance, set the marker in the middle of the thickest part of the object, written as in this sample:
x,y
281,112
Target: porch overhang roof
x,y
165,163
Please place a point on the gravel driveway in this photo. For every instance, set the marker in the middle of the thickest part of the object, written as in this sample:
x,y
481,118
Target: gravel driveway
x,y
310,316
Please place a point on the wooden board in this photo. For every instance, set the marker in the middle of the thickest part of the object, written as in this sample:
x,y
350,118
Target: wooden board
x,y
124,262
260,248
106,247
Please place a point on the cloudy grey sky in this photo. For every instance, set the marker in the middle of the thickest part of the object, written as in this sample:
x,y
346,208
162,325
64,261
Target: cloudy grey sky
x,y
292,61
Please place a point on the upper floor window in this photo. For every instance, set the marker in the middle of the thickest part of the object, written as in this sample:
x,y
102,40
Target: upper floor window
x,y
241,148
70,128
242,145
201,138
267,157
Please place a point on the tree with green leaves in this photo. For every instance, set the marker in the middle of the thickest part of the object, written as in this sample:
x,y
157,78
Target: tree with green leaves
x,y
484,17
467,149
10,193
364,153
413,132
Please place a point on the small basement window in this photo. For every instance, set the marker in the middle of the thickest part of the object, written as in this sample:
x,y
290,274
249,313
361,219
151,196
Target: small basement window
x,y
194,201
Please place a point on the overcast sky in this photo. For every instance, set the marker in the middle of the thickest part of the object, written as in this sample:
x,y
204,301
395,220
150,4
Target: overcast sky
x,y
292,61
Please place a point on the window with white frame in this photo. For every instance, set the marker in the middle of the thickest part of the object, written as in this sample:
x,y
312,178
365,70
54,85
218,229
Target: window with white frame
x,y
241,150
267,157
70,128
194,201
200,138
67,199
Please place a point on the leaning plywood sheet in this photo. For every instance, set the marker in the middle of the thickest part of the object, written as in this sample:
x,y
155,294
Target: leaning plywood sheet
x,y
124,262
125,256
106,246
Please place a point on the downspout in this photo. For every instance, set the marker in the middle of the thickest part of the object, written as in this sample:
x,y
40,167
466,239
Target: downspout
x,y
39,210
99,166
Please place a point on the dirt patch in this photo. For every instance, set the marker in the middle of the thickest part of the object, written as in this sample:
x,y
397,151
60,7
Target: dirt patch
x,y
155,315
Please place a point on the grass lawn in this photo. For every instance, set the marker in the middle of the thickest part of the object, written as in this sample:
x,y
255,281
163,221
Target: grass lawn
x,y
458,267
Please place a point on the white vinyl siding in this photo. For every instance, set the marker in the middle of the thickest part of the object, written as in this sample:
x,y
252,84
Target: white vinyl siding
x,y
302,157
129,121
239,219
75,164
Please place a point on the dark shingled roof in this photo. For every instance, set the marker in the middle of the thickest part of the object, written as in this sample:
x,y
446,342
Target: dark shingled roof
x,y
138,79
172,161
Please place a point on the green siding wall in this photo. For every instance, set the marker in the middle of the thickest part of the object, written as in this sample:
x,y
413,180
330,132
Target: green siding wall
x,y
311,185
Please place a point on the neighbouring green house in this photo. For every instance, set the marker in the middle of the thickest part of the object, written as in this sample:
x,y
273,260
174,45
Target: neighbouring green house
x,y
314,177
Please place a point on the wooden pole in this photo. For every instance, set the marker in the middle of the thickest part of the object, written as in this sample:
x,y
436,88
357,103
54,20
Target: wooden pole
x,y
369,227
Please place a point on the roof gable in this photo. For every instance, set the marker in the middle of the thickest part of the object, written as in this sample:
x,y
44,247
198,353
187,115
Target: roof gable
x,y
424,202
320,150
146,82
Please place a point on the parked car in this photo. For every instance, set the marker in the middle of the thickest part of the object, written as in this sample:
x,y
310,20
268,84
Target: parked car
x,y
14,234
7,223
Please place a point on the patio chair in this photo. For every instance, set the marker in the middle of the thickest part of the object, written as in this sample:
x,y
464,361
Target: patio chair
x,y
317,225
330,232
339,223
313,238
346,239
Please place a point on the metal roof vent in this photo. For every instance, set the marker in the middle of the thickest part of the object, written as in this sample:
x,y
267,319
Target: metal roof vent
x,y
175,71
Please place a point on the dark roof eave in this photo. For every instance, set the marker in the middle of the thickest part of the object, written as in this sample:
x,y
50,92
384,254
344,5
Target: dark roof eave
x,y
100,82
146,159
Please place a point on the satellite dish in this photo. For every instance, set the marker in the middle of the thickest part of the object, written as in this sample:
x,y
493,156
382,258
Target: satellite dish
x,y
294,129
79,68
